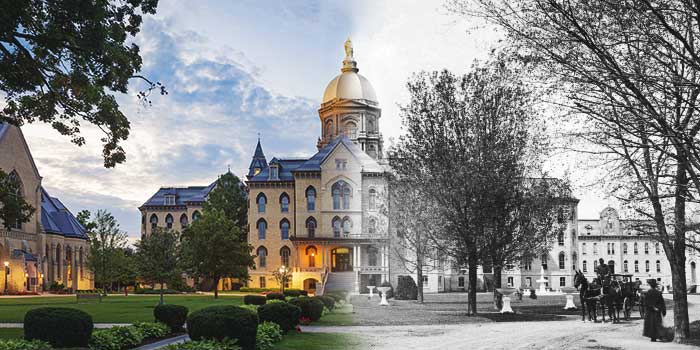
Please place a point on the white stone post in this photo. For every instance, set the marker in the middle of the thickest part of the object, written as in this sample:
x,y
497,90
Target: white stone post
x,y
506,309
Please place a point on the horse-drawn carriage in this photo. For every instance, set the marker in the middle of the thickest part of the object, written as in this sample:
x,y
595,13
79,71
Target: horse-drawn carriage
x,y
617,293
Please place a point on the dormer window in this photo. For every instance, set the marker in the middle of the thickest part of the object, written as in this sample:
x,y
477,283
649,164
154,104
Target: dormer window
x,y
169,199
256,171
274,172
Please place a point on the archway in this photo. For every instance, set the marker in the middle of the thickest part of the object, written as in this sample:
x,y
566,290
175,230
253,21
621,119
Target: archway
x,y
310,285
693,277
611,265
341,260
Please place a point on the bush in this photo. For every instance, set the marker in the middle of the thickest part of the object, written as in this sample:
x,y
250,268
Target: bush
x,y
327,301
174,316
311,308
269,333
156,291
390,292
116,338
292,293
275,296
104,340
337,297
224,321
253,299
152,329
257,290
60,327
284,314
236,285
406,289
205,345
21,344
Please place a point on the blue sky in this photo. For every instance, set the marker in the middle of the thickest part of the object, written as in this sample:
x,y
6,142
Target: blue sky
x,y
236,69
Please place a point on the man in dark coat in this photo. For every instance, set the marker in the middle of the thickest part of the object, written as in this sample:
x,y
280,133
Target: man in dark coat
x,y
656,309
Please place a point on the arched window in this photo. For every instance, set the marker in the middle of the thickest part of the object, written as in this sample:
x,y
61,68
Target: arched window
x,y
656,247
646,266
169,221
658,266
347,226
372,256
183,220
543,258
560,238
196,215
154,222
646,247
262,256
585,266
636,266
311,227
310,198
636,249
284,203
595,264
59,259
329,128
562,261
285,253
341,192
284,228
261,200
262,227
311,253
372,199
351,130
583,248
611,265
612,248
574,259
372,226
625,268
624,248
336,227
595,248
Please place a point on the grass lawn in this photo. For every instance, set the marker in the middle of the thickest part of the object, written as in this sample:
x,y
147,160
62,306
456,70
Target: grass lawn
x,y
340,316
9,333
318,341
112,309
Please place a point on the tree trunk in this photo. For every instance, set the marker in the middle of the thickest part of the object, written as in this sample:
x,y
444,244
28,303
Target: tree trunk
x,y
419,276
497,277
472,265
216,287
680,294
161,292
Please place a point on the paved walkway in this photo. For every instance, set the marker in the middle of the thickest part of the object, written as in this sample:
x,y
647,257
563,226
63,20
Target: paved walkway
x,y
97,325
162,343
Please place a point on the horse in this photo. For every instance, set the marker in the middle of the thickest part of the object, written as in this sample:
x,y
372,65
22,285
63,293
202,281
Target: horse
x,y
589,296
629,295
612,299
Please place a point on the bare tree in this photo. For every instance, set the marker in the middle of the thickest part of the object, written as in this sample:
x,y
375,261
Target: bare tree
x,y
630,69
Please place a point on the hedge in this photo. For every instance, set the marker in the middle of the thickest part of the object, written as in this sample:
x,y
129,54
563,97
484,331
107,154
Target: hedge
x,y
284,314
252,299
327,301
406,289
60,327
174,316
295,292
258,290
224,321
311,308
275,296
21,344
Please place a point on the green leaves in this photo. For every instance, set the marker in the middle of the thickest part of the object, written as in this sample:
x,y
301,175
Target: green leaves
x,y
13,208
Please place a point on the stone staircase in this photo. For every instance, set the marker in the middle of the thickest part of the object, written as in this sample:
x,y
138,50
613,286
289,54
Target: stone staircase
x,y
344,281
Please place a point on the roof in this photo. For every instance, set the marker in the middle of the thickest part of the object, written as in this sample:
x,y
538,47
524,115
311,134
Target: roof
x,y
57,219
285,166
314,163
3,129
258,162
349,85
183,195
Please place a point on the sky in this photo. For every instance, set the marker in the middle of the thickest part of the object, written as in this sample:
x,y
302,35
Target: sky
x,y
236,70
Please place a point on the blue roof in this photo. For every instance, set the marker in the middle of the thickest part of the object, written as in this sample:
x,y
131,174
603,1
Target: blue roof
x,y
286,166
314,163
3,128
27,256
183,195
258,162
57,219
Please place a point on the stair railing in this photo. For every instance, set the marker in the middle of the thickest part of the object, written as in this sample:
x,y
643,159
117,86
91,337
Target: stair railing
x,y
324,279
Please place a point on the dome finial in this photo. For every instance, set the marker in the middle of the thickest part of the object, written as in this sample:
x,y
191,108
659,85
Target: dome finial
x,y
349,64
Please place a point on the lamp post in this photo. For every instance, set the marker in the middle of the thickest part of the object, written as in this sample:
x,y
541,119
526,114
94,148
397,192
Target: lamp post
x,y
7,272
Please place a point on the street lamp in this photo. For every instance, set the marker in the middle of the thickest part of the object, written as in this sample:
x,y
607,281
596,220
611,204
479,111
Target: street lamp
x,y
7,272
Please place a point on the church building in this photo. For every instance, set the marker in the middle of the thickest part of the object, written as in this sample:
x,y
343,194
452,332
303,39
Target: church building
x,y
321,216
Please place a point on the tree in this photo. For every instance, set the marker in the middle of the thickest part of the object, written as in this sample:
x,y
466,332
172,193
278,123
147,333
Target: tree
x,y
229,195
107,242
59,61
157,257
467,137
13,207
213,248
630,71
282,276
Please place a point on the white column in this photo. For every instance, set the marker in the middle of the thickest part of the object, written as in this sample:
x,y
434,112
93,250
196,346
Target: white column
x,y
359,255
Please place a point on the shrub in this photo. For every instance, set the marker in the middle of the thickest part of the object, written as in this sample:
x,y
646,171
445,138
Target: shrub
x,y
406,289
257,290
60,327
275,296
269,333
284,314
327,301
152,329
254,299
337,297
205,345
390,292
533,295
174,316
292,293
102,339
156,291
224,321
21,344
311,308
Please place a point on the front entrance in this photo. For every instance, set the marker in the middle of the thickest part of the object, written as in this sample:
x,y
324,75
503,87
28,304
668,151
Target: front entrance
x,y
340,260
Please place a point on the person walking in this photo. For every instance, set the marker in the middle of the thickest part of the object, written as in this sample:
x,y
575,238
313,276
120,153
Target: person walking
x,y
656,309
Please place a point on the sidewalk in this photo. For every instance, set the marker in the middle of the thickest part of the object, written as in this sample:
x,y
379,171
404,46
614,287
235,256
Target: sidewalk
x,y
97,325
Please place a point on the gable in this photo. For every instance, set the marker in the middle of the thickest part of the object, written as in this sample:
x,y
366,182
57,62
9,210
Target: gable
x,y
15,154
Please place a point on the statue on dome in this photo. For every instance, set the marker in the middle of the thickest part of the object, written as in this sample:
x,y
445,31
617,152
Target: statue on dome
x,y
348,48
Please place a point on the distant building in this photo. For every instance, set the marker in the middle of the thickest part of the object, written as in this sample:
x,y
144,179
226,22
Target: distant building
x,y
52,247
173,207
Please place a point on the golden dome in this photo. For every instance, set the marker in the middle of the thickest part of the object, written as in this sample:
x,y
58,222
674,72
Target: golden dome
x,y
349,84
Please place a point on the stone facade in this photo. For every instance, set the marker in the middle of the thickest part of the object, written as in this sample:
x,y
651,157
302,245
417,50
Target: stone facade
x,y
51,246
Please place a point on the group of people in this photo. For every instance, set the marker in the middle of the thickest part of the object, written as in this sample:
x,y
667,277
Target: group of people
x,y
654,303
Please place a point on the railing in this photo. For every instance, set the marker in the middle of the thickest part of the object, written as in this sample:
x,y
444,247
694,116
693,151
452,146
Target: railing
x,y
372,269
21,235
324,279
